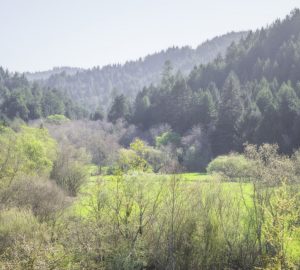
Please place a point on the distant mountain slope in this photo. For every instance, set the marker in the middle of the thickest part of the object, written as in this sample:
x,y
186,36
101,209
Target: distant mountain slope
x,y
250,95
44,75
96,86
20,98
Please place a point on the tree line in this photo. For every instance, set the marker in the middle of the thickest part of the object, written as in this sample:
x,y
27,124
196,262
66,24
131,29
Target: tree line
x,y
250,95
22,99
96,87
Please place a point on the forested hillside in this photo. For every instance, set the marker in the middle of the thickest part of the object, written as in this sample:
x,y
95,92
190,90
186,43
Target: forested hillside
x,y
250,95
43,75
95,87
28,101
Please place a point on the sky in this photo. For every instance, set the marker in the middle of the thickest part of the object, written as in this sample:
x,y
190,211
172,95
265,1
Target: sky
x,y
37,35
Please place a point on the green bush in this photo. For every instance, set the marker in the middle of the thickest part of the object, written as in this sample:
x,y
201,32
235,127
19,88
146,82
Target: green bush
x,y
15,223
69,169
167,138
232,166
42,196
57,119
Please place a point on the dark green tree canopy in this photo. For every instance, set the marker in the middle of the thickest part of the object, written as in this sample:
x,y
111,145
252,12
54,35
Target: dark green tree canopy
x,y
119,110
28,101
250,95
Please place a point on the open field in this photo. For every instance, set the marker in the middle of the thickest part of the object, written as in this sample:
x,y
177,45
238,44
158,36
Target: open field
x,y
238,194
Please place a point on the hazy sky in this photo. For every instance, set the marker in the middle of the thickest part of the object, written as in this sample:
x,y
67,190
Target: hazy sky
x,y
40,34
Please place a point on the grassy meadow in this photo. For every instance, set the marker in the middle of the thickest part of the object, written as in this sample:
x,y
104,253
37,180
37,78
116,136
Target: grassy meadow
x,y
209,190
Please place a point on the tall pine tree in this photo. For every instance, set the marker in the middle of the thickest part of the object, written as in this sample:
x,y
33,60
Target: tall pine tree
x,y
226,137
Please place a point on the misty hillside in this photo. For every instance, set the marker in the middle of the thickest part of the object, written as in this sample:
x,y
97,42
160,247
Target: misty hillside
x,y
43,75
251,95
95,87
22,99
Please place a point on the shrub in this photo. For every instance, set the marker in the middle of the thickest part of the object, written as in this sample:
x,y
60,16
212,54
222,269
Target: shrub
x,y
134,157
57,119
156,158
30,151
27,244
42,196
15,223
69,170
232,166
168,138
143,157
